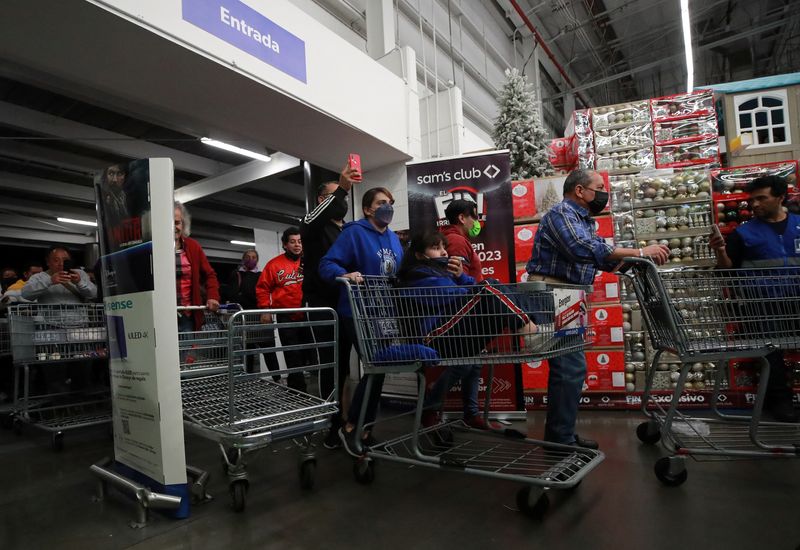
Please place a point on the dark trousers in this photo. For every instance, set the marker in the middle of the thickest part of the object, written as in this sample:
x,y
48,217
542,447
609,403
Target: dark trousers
x,y
345,341
294,336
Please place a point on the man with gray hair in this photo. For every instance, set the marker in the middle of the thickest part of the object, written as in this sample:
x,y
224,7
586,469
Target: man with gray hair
x,y
566,250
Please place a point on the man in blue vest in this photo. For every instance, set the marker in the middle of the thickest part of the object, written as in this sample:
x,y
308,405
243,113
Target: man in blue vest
x,y
770,239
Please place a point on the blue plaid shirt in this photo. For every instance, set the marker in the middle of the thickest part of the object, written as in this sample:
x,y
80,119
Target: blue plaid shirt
x,y
567,247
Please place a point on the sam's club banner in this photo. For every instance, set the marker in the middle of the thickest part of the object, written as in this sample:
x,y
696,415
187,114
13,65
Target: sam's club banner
x,y
484,179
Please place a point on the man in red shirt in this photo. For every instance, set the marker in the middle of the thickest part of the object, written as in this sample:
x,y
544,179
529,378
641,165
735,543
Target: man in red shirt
x,y
463,218
281,287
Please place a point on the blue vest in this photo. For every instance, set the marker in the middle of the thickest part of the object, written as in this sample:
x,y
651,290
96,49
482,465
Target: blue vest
x,y
765,248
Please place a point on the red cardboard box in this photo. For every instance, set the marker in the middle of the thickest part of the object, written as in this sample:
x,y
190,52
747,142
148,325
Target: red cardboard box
x,y
523,241
606,288
605,370
557,151
522,274
604,226
606,325
523,199
534,375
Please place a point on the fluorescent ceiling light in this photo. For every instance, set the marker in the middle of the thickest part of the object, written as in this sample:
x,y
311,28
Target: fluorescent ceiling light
x,y
77,222
687,44
234,149
243,243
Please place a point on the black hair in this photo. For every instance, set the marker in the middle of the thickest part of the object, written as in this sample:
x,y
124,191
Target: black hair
x,y
418,243
31,265
577,177
321,187
288,233
458,207
777,185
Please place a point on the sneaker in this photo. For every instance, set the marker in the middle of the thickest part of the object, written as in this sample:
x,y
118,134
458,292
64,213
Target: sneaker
x,y
332,441
477,422
348,439
586,443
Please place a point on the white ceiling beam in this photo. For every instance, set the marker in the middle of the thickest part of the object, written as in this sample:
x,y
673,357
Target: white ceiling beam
x,y
53,158
237,177
50,188
30,222
45,236
47,209
236,220
104,140
265,205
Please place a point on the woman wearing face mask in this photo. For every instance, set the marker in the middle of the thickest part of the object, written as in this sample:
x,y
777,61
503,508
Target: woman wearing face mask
x,y
365,247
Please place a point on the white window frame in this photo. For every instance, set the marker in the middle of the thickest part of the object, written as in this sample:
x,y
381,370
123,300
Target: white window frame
x,y
781,96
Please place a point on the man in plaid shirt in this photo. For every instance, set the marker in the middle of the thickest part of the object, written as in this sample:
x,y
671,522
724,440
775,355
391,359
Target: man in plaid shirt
x,y
567,250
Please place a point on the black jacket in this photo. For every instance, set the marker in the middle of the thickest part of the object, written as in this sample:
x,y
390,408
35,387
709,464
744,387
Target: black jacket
x,y
319,232
242,288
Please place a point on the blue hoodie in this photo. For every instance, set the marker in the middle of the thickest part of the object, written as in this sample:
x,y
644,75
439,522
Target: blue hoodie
x,y
432,294
360,248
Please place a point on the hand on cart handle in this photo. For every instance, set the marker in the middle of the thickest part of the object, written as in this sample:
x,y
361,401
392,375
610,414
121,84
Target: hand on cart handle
x,y
212,305
354,277
659,253
266,318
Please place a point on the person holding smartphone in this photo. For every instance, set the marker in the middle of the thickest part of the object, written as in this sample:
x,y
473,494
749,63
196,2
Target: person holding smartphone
x,y
62,283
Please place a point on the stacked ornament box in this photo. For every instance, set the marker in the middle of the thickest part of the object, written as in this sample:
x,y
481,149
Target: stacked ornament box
x,y
579,131
623,138
685,130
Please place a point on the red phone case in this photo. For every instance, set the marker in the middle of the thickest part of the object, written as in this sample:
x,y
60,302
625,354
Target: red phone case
x,y
355,162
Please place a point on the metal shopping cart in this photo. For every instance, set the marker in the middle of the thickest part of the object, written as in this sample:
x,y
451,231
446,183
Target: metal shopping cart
x,y
407,329
715,316
246,411
44,338
5,338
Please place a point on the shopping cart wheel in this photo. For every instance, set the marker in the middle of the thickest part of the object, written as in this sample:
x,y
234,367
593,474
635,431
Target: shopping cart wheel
x,y
364,470
671,471
308,472
239,494
57,442
532,501
648,432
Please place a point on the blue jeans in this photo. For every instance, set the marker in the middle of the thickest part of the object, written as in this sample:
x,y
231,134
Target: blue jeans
x,y
567,374
469,375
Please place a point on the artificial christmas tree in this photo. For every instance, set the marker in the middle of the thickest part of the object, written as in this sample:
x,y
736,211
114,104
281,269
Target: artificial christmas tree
x,y
519,129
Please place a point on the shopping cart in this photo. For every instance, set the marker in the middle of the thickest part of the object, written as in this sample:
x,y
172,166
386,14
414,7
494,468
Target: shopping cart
x,y
243,412
407,329
45,338
715,316
5,338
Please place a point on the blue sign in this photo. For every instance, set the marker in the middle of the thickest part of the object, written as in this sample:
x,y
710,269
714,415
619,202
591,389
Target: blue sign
x,y
245,28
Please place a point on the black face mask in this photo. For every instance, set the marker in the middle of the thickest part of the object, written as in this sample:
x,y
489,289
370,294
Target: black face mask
x,y
599,202
291,256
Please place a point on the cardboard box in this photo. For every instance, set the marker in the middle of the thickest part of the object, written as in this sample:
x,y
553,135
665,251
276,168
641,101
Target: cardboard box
x,y
557,151
522,274
523,242
606,288
604,226
534,375
605,370
523,199
606,326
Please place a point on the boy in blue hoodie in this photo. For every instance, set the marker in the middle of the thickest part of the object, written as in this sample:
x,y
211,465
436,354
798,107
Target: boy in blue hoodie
x,y
365,247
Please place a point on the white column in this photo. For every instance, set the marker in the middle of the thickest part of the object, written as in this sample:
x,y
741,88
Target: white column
x,y
380,28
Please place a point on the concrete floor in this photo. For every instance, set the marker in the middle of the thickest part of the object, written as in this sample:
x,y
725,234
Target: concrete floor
x,y
45,502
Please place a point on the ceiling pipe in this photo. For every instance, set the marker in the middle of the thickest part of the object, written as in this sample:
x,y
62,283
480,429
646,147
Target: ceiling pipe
x,y
546,49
